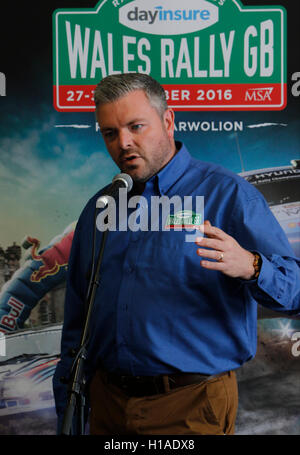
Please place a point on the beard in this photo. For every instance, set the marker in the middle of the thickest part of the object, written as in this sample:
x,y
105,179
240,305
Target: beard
x,y
151,161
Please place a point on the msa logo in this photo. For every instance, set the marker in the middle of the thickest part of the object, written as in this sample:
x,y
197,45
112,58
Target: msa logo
x,y
168,17
259,94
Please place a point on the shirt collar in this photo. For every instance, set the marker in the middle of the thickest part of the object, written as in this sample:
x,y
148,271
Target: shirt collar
x,y
169,174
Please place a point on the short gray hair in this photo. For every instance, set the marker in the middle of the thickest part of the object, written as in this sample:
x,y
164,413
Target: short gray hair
x,y
114,86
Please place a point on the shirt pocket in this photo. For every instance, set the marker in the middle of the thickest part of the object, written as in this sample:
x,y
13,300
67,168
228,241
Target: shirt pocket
x,y
172,255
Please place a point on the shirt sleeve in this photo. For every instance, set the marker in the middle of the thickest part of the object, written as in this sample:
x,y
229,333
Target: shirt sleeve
x,y
255,227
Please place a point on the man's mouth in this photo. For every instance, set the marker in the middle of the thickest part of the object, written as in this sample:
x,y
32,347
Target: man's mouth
x,y
129,159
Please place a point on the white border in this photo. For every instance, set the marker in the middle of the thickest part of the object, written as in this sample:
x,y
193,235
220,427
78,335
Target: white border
x,y
209,107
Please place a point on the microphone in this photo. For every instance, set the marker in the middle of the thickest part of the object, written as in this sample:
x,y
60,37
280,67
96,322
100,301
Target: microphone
x,y
119,181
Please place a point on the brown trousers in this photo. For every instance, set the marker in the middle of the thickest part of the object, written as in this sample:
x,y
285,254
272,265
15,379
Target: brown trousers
x,y
208,408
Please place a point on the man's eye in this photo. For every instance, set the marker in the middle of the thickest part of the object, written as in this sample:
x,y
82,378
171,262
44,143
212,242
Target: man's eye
x,y
137,126
108,134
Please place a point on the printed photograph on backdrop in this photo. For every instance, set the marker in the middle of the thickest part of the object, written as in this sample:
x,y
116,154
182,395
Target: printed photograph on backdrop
x,y
231,74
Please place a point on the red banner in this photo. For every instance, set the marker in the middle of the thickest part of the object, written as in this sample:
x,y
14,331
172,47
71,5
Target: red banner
x,y
188,97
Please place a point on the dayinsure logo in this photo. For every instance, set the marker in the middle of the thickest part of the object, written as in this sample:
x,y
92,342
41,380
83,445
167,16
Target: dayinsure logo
x,y
168,17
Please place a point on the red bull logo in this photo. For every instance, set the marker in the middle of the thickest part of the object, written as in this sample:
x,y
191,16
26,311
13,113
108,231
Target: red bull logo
x,y
9,321
53,258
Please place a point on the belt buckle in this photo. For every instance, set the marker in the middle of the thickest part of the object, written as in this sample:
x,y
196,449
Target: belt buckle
x,y
123,379
131,385
139,386
124,382
146,386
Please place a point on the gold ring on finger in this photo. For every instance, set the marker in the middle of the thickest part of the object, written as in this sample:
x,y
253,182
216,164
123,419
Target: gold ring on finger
x,y
221,257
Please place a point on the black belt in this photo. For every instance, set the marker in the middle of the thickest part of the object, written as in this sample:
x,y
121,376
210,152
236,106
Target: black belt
x,y
141,386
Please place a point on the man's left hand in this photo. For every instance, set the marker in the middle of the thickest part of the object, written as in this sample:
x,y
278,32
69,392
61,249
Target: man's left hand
x,y
229,257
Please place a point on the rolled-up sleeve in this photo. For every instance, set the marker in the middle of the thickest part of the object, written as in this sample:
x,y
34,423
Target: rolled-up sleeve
x,y
257,230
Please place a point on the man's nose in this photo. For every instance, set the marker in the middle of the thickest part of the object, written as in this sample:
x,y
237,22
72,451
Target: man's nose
x,y
125,139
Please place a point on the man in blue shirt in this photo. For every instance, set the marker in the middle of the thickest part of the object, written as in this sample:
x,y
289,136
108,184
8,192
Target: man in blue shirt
x,y
172,319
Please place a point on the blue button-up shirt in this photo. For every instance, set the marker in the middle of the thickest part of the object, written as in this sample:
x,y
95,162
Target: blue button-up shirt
x,y
157,310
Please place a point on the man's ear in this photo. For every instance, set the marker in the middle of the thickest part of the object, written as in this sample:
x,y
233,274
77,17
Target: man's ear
x,y
169,122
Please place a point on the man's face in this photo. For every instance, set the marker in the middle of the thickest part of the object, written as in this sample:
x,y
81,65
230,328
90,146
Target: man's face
x,y
138,140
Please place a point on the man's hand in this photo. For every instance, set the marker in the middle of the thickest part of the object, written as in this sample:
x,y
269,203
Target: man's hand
x,y
229,257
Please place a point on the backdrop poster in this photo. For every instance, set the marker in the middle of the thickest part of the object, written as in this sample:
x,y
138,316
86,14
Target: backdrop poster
x,y
235,87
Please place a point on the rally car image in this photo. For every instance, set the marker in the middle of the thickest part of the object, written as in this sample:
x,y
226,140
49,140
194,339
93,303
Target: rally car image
x,y
26,394
280,187
26,371
25,383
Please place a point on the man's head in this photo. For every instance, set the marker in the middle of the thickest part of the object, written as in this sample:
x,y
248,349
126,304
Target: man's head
x,y
115,86
136,123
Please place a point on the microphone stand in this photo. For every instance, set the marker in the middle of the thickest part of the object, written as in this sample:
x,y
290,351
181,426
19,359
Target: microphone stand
x,y
76,397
